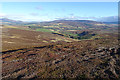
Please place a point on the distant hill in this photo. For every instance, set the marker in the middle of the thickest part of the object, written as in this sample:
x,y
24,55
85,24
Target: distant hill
x,y
10,22
67,24
73,23
76,23
6,20
110,22
85,21
56,21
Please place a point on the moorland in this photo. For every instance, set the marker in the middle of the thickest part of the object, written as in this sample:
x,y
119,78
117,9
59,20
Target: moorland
x,y
60,49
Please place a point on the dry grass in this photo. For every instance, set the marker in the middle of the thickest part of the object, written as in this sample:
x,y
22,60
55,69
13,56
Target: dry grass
x,y
16,38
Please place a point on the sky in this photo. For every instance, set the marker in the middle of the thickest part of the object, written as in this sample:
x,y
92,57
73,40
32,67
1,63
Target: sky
x,y
48,11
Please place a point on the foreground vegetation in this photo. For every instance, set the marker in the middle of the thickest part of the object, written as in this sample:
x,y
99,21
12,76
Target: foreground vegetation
x,y
84,59
60,49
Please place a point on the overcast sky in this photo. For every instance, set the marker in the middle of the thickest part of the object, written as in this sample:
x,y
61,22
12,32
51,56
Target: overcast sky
x,y
48,11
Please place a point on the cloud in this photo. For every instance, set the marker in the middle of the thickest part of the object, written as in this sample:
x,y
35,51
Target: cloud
x,y
34,14
64,10
72,17
26,18
16,17
2,15
47,17
59,9
39,8
71,14
101,19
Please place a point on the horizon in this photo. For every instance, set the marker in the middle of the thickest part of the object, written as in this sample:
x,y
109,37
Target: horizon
x,y
56,20
50,11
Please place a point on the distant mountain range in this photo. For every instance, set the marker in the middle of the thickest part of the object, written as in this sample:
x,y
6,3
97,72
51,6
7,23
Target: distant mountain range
x,y
57,21
65,22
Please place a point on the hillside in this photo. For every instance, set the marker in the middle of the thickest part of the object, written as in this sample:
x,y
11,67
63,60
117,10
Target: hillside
x,y
63,49
14,38
81,60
